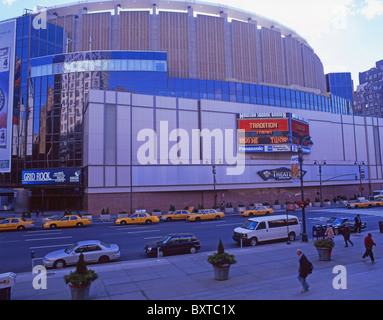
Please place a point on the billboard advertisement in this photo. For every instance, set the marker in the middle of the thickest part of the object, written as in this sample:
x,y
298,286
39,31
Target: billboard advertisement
x,y
7,66
72,176
272,132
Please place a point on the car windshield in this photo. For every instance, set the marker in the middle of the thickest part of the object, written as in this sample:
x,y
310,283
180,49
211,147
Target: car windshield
x,y
164,239
338,221
71,248
251,225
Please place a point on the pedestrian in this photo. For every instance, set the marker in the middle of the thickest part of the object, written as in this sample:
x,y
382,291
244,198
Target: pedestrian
x,y
358,223
305,268
369,243
329,233
346,235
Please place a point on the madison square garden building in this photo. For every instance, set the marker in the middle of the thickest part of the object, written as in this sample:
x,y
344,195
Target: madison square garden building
x,y
141,104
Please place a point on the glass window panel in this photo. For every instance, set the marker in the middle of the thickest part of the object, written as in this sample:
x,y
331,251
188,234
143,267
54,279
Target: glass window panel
x,y
144,65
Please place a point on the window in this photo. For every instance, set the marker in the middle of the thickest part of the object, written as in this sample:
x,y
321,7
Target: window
x,y
73,218
261,225
277,223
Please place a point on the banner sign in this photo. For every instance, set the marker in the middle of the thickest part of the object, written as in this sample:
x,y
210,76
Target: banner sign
x,y
7,70
277,174
70,176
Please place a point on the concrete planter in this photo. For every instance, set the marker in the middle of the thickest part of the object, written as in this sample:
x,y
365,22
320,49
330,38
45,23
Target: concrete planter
x,y
229,210
316,204
276,206
221,273
88,216
327,203
105,217
122,215
79,293
156,213
324,254
241,209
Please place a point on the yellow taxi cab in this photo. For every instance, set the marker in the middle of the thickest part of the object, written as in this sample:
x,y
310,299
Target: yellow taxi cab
x,y
205,214
256,211
141,217
377,203
16,224
176,215
361,203
67,221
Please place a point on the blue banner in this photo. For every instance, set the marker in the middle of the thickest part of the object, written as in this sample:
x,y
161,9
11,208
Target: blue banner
x,y
72,176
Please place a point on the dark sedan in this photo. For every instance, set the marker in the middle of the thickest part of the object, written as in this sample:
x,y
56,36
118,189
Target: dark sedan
x,y
172,244
339,223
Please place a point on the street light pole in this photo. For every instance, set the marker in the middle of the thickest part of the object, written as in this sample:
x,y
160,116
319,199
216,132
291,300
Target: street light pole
x,y
215,192
320,164
300,160
360,164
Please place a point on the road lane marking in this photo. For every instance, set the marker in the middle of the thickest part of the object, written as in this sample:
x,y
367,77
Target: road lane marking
x,y
9,241
46,231
228,224
58,245
34,235
147,238
55,238
131,232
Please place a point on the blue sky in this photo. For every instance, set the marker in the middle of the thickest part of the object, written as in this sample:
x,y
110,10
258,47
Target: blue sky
x,y
347,35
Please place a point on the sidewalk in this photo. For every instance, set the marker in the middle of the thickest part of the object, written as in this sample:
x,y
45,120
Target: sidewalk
x,y
265,272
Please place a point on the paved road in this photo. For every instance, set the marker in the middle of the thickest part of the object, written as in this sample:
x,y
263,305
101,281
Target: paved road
x,y
15,247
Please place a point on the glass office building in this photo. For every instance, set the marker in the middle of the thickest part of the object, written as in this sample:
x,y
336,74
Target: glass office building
x,y
340,84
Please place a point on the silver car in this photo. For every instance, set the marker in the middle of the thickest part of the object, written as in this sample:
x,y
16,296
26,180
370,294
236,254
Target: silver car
x,y
93,251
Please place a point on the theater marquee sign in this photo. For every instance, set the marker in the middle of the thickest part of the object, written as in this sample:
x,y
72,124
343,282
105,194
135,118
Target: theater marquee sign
x,y
278,174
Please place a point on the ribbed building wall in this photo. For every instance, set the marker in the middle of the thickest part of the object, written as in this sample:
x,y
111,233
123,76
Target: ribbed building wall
x,y
134,30
96,31
174,39
244,40
272,57
200,46
294,66
211,47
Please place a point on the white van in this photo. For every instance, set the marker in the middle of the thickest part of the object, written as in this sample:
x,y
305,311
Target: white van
x,y
259,229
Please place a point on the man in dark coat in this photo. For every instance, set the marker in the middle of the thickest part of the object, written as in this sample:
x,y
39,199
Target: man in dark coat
x,y
358,223
305,268
346,235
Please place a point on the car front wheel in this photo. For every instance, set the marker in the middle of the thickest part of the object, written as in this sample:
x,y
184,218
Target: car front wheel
x,y
253,241
193,250
59,264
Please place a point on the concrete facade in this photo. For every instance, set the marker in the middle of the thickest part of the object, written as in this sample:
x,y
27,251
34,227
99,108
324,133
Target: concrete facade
x,y
115,120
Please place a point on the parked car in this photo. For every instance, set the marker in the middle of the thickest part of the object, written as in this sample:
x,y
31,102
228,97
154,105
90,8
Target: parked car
x,y
172,244
339,223
205,214
361,203
16,224
93,250
175,215
256,211
258,229
377,203
67,221
142,217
